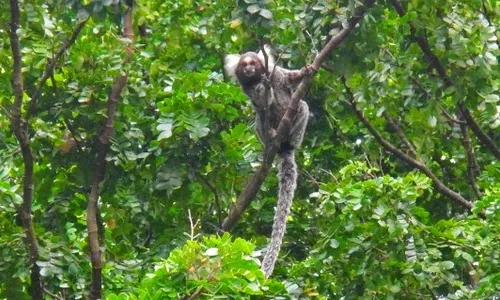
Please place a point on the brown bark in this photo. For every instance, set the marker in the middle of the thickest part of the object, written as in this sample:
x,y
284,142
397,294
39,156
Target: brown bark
x,y
251,188
102,147
21,134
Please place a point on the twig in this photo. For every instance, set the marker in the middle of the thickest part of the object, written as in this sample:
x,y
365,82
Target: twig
x,y
73,134
250,190
472,167
5,111
401,135
483,137
443,110
216,196
192,236
52,294
50,65
196,294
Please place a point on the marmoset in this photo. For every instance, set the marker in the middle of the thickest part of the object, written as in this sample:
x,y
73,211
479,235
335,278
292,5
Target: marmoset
x,y
270,97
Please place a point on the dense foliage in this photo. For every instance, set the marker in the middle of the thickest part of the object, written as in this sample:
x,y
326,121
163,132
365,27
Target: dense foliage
x,y
399,187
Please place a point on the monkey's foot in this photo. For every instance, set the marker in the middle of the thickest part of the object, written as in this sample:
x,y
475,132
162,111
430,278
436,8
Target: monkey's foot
x,y
272,133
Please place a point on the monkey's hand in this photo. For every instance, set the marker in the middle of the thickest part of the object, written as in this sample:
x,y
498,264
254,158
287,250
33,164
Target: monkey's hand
x,y
272,134
266,81
308,70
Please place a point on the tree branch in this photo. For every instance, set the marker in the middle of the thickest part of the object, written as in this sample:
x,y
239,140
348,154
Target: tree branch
x,y
250,190
435,63
401,134
21,134
50,65
418,164
472,167
102,146
216,196
483,137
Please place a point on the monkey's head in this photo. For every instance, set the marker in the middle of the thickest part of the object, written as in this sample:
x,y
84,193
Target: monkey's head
x,y
248,68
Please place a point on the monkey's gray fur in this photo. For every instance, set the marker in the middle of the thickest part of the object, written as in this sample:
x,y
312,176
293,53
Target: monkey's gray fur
x,y
275,95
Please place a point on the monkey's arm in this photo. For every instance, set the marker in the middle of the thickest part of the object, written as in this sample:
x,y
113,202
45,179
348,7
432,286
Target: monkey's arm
x,y
262,98
292,78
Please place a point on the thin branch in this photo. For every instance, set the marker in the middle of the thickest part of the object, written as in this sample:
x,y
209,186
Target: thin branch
x,y
192,236
250,190
27,155
483,137
102,146
5,111
73,134
54,296
50,65
446,114
435,63
418,164
449,117
195,295
472,166
66,120
216,196
401,134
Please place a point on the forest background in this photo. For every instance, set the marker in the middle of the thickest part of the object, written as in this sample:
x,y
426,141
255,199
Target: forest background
x,y
130,168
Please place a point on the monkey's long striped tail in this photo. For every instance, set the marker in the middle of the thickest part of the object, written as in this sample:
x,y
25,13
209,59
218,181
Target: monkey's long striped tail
x,y
287,175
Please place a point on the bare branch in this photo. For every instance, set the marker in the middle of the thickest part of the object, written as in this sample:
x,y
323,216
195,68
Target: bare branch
x,y
37,291
248,194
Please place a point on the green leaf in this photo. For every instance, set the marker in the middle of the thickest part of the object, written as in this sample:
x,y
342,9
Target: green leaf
x,y
446,265
266,14
253,8
212,252
492,98
432,121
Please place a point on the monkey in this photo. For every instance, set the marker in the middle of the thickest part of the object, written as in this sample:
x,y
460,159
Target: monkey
x,y
270,98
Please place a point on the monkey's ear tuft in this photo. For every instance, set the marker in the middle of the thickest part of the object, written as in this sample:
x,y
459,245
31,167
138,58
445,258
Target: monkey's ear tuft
x,y
270,57
230,63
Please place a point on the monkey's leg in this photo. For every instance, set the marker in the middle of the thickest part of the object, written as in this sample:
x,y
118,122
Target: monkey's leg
x,y
259,126
299,125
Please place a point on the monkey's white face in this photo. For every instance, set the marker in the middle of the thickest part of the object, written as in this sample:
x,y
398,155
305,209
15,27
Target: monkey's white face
x,y
249,66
